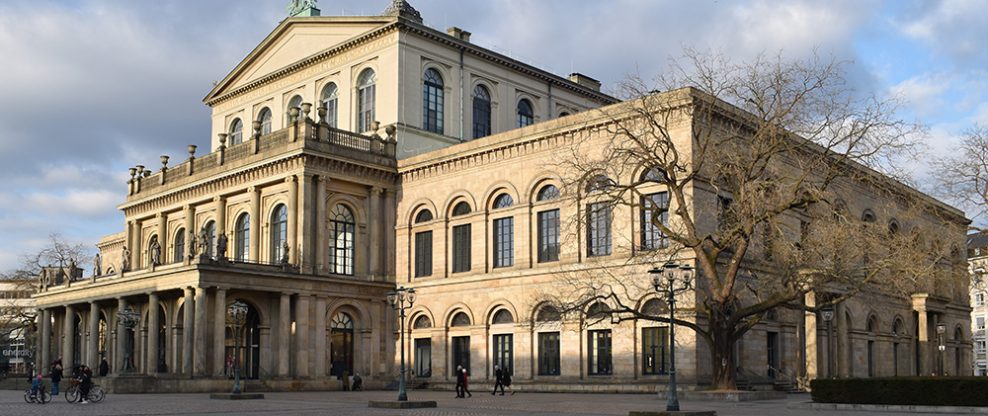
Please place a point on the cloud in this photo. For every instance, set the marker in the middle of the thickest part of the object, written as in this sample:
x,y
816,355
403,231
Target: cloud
x,y
923,93
953,29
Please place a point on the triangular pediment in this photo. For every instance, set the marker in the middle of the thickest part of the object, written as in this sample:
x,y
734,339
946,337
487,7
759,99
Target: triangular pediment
x,y
294,40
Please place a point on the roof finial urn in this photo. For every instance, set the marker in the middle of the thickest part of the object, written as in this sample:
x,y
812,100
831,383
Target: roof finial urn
x,y
401,8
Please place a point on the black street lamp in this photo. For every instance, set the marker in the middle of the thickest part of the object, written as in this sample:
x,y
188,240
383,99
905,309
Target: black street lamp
x,y
671,281
236,316
398,299
828,315
128,317
941,329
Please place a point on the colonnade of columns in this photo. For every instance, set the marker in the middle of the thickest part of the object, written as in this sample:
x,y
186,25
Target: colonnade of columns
x,y
195,340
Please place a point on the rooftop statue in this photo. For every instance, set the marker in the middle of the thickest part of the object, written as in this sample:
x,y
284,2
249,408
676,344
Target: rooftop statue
x,y
302,8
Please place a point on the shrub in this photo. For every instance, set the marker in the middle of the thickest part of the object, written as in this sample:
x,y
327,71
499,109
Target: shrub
x,y
930,391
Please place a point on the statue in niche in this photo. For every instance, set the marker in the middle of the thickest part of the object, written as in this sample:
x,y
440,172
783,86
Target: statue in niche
x,y
221,242
203,242
155,252
125,260
192,245
284,252
97,265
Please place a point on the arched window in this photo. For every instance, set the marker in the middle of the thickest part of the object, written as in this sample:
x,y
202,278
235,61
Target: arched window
x,y
265,118
242,238
179,255
365,100
423,216
598,311
654,307
503,201
871,326
432,101
422,322
236,132
526,116
460,319
462,208
341,231
295,102
279,233
548,192
868,216
655,174
329,99
209,238
502,316
481,112
548,313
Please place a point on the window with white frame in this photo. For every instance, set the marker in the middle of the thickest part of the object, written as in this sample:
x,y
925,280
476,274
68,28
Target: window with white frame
x,y
366,99
329,99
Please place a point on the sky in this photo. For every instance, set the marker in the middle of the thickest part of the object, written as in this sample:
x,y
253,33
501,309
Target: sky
x,y
90,88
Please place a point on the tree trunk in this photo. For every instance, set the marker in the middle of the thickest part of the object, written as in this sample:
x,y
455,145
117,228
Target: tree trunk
x,y
723,360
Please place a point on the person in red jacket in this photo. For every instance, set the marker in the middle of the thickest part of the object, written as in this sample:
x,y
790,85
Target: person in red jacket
x,y
466,383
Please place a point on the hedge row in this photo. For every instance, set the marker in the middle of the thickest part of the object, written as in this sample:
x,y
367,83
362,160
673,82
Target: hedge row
x,y
930,391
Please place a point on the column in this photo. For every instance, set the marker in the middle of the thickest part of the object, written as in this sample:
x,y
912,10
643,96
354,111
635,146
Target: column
x,y
255,226
190,229
45,338
305,211
284,333
375,248
843,341
187,331
292,219
119,359
389,234
320,334
219,332
322,245
163,237
151,360
92,356
924,341
302,336
199,347
68,332
810,337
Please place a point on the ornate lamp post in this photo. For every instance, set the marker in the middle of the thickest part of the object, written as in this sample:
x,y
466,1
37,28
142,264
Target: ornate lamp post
x,y
671,281
941,329
828,315
128,317
398,299
236,316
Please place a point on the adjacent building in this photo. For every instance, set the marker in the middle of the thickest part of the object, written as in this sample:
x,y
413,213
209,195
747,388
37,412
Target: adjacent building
x,y
977,258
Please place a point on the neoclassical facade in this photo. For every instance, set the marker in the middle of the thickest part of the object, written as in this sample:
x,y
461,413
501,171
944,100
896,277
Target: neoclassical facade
x,y
354,154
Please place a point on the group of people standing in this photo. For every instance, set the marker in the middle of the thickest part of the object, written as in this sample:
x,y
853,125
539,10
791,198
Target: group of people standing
x,y
82,373
502,379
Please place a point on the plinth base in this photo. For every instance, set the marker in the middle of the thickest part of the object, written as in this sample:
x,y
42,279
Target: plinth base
x,y
680,413
394,404
236,396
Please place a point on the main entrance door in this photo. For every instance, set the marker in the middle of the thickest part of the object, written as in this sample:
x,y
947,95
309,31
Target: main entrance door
x,y
341,344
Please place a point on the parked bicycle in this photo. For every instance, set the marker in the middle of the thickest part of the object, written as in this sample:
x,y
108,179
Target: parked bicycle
x,y
39,396
96,393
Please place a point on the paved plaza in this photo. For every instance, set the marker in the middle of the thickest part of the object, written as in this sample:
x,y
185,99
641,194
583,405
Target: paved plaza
x,y
350,403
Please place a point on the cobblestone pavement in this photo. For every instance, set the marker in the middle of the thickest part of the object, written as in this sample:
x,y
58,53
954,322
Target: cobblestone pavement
x,y
350,403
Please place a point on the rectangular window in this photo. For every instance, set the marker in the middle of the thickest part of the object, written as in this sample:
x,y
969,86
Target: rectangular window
x,y
423,253
461,354
548,353
599,352
655,350
504,242
503,355
980,345
772,352
655,210
461,248
979,299
598,229
548,236
423,357
980,322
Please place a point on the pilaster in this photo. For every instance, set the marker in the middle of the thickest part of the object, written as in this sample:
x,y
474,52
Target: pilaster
x,y
374,248
219,332
199,349
151,360
284,333
255,228
292,219
188,310
302,336
320,334
92,353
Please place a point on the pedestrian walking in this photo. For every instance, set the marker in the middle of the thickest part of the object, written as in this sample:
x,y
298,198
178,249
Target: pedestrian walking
x,y
498,380
56,376
466,383
104,368
506,381
459,382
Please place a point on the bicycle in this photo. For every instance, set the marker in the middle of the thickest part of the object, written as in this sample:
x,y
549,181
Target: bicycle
x,y
96,393
41,396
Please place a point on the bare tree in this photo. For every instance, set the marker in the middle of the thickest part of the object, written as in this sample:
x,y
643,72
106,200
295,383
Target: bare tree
x,y
962,177
757,161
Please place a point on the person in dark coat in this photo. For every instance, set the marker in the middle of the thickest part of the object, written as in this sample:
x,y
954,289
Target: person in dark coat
x,y
466,383
104,367
459,382
498,380
506,381
85,383
56,376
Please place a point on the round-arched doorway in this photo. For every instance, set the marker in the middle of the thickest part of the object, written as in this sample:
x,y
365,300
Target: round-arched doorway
x,y
341,344
249,344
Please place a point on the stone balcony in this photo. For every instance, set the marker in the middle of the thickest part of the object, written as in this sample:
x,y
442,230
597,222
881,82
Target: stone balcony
x,y
302,136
